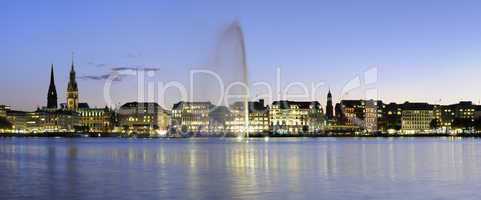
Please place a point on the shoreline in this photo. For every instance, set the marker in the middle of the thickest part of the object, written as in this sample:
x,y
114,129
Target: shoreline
x,y
331,135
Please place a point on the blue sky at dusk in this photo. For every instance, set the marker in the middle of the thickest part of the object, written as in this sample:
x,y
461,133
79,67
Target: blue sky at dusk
x,y
424,50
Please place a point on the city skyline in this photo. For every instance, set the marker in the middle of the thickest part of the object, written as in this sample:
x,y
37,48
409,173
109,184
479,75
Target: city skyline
x,y
62,97
412,56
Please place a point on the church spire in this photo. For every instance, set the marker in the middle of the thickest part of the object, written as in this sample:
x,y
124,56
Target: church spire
x,y
52,92
72,66
329,107
52,78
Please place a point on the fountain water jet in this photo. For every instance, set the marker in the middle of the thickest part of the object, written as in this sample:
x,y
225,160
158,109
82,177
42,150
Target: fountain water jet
x,y
230,63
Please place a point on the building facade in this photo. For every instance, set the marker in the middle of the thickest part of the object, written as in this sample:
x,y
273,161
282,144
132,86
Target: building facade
x,y
392,118
294,117
97,120
191,117
417,117
43,121
3,110
351,113
374,116
258,124
143,118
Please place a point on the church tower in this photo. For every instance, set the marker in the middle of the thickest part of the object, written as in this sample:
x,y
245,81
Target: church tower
x,y
52,92
72,91
329,108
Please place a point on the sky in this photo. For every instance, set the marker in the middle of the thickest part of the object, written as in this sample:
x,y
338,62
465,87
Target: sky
x,y
420,50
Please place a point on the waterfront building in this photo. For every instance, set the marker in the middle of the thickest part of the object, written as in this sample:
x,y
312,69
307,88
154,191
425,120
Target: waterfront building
x,y
3,110
392,118
258,118
143,118
5,125
52,92
374,116
96,120
351,112
18,119
42,121
294,117
416,118
191,117
72,91
456,116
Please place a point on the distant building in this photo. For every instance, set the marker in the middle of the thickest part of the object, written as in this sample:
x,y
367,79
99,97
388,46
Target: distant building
x,y
52,92
258,118
392,118
293,117
143,117
351,112
42,121
192,117
18,119
374,116
417,117
329,107
54,121
96,119
3,110
72,91
448,115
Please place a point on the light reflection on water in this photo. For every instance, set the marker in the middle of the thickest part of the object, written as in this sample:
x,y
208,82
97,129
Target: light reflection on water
x,y
284,168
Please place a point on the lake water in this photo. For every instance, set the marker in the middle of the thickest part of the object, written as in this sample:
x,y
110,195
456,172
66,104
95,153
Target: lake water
x,y
282,168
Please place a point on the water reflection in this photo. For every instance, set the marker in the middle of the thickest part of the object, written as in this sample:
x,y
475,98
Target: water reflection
x,y
336,168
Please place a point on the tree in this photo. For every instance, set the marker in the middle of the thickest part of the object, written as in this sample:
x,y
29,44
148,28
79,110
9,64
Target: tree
x,y
434,124
393,124
305,129
5,124
462,123
477,124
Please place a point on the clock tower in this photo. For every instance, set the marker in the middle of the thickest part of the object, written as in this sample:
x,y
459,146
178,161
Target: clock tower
x,y
72,91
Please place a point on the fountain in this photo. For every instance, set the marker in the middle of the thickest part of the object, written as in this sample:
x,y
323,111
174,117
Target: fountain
x,y
229,63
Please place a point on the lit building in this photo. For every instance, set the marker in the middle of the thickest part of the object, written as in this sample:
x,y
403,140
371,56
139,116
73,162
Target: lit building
x,y
258,118
392,118
3,110
18,119
355,115
97,120
351,112
417,117
448,115
53,121
143,117
374,116
293,117
42,121
72,91
191,117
